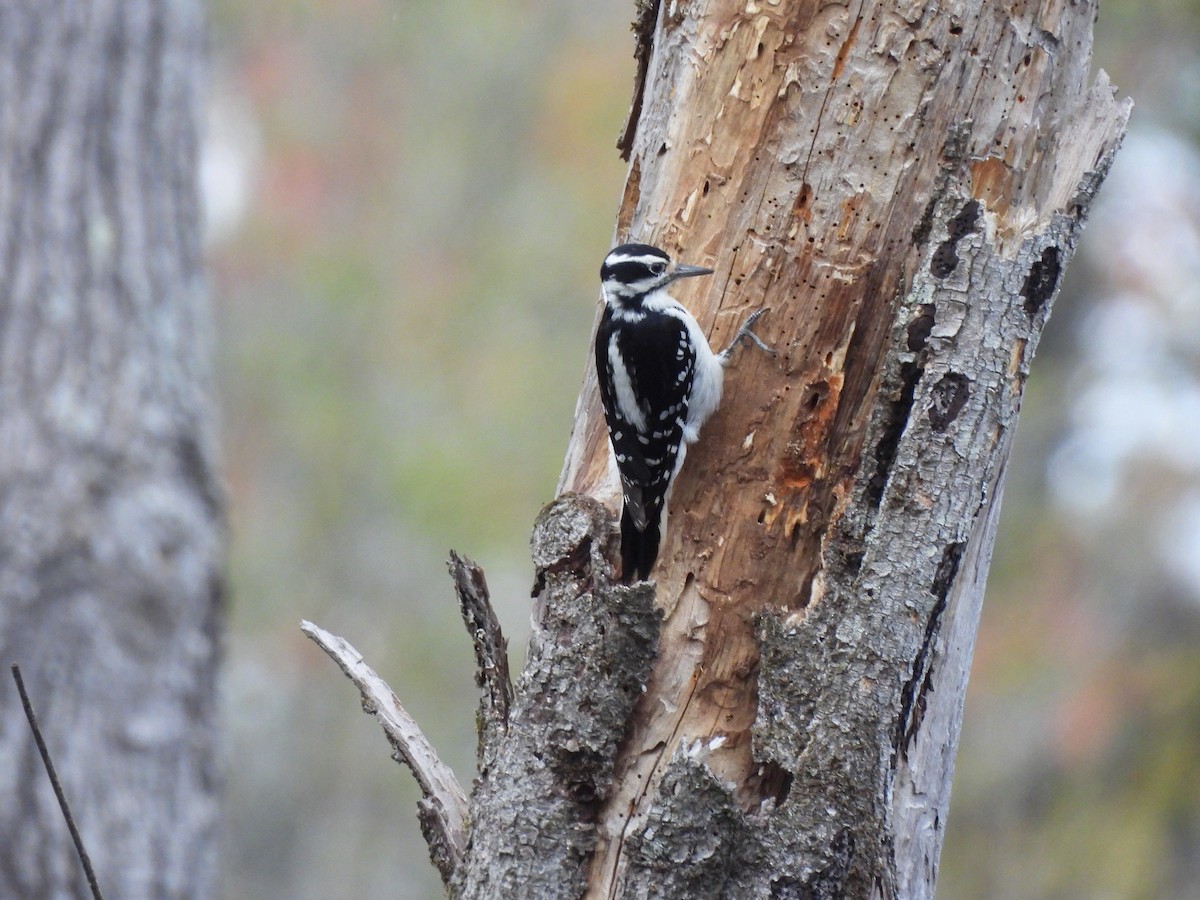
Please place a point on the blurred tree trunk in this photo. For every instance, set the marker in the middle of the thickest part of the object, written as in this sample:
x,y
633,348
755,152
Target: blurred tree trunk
x,y
111,524
902,184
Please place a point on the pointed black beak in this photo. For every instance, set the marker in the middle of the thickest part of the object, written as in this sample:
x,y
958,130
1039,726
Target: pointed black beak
x,y
682,271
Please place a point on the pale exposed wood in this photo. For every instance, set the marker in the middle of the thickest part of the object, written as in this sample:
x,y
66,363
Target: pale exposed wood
x,y
443,805
902,184
547,746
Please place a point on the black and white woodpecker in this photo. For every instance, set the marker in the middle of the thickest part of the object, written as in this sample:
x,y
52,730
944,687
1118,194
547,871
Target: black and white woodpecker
x,y
659,382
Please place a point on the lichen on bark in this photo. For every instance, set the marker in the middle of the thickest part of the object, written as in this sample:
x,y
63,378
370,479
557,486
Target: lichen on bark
x,y
533,816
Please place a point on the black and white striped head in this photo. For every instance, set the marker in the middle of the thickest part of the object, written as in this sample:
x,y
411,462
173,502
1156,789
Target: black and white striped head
x,y
632,271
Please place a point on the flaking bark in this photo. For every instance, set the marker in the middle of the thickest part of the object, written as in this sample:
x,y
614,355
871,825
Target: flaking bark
x,y
532,817
547,745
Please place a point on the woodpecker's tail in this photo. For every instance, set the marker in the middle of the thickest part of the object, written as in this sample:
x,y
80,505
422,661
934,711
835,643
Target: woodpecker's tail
x,y
639,549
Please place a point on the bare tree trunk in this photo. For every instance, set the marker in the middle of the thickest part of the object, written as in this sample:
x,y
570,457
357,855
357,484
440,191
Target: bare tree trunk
x,y
111,534
902,184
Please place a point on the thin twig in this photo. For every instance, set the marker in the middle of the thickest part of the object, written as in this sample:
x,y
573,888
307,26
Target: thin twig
x,y
54,782
444,807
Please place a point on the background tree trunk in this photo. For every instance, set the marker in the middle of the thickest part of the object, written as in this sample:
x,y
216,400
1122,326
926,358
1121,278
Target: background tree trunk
x,y
111,534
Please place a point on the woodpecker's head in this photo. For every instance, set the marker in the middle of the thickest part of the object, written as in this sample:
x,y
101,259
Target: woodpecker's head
x,y
632,271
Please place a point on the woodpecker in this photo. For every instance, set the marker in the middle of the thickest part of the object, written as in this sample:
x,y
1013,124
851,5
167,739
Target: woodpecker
x,y
659,382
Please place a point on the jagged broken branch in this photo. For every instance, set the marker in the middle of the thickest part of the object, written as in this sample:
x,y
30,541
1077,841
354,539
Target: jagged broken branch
x,y
491,652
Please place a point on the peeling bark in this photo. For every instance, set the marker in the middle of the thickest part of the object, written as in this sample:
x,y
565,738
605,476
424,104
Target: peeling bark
x,y
643,29
491,657
532,817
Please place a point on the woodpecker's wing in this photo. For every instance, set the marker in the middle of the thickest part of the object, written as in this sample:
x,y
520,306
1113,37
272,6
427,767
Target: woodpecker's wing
x,y
645,373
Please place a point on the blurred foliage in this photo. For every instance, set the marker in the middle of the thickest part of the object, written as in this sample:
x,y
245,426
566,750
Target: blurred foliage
x,y
404,305
404,272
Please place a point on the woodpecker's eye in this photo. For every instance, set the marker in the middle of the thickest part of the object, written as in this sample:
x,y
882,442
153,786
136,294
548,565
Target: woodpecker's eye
x,y
658,268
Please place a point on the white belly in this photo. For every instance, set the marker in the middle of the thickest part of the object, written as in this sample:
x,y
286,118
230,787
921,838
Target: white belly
x,y
706,389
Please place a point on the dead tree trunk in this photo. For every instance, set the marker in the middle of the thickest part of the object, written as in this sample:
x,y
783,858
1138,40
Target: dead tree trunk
x,y
902,184
111,535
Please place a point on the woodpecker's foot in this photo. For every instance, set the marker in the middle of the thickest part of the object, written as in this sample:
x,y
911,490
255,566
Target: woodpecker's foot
x,y
744,333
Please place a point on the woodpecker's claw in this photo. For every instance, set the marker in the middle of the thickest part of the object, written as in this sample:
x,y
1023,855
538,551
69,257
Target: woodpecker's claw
x,y
744,332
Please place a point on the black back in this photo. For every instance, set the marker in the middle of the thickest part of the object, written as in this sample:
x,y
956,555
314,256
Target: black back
x,y
661,365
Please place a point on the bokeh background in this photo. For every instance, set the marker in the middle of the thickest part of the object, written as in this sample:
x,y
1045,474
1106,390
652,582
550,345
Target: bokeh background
x,y
407,202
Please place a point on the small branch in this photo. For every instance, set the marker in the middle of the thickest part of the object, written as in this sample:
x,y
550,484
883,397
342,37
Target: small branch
x,y
643,27
54,782
491,651
444,807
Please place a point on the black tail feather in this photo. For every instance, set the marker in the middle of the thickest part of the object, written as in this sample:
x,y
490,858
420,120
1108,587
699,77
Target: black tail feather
x,y
639,549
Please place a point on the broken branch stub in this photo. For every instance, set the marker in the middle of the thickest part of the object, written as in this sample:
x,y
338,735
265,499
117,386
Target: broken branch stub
x,y
533,811
491,654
